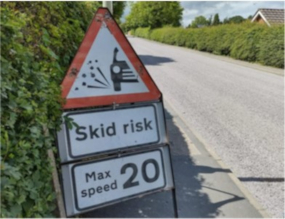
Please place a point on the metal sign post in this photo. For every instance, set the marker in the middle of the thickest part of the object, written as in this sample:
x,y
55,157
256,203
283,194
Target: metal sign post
x,y
109,5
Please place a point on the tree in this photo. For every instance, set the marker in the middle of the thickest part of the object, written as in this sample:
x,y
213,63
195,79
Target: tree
x,y
226,21
154,14
216,20
199,21
118,8
235,20
210,20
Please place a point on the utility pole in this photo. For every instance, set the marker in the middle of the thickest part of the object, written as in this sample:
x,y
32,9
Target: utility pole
x,y
109,5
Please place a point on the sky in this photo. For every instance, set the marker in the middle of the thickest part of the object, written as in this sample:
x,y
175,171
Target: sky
x,y
225,9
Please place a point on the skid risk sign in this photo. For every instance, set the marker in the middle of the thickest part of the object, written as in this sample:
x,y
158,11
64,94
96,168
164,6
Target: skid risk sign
x,y
100,131
106,69
94,184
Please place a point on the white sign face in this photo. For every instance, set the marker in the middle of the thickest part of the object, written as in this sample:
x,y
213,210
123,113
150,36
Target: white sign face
x,y
106,70
96,183
99,131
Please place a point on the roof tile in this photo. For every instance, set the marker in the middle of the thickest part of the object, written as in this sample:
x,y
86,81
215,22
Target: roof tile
x,y
273,16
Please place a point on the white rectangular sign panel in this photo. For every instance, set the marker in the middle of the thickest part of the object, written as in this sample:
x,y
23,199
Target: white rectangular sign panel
x,y
102,131
93,184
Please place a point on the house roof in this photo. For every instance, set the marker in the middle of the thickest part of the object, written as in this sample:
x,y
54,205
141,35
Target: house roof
x,y
270,16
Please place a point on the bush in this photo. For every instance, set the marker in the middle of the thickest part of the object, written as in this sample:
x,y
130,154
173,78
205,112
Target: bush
x,y
133,32
190,38
230,33
201,38
179,39
215,42
142,32
247,41
169,35
271,51
246,46
156,35
173,35
38,42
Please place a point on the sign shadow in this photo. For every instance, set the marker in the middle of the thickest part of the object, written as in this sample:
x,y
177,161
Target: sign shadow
x,y
191,201
154,60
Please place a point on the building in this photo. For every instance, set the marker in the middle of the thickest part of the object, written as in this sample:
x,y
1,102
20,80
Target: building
x,y
269,16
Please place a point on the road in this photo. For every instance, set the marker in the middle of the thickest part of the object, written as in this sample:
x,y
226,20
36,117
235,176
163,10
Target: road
x,y
235,109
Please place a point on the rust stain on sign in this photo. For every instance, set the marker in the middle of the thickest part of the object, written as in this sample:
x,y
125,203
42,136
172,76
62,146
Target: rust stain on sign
x,y
73,72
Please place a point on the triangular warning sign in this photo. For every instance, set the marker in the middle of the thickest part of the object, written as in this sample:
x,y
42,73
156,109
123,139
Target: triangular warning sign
x,y
106,69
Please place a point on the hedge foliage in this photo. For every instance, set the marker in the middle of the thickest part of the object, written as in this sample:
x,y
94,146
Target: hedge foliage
x,y
247,41
38,42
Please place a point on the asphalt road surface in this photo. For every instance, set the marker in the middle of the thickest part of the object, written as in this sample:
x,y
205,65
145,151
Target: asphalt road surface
x,y
234,108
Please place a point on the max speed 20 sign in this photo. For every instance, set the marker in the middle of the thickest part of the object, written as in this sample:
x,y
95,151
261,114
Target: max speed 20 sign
x,y
95,184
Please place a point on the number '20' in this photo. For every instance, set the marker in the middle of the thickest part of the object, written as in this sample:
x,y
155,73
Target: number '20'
x,y
130,182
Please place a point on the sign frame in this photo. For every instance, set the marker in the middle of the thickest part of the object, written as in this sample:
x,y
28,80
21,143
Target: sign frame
x,y
126,98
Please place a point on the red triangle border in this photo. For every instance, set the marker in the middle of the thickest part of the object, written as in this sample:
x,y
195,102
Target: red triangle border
x,y
101,15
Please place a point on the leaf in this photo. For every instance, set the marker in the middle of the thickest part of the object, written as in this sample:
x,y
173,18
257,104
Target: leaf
x,y
75,124
16,210
36,176
52,54
50,197
4,181
27,205
49,52
46,37
12,104
21,199
33,195
26,106
8,195
69,122
35,131
12,119
15,174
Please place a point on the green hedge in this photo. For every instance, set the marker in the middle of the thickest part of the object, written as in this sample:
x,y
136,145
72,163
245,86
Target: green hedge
x,y
141,32
271,47
247,41
38,42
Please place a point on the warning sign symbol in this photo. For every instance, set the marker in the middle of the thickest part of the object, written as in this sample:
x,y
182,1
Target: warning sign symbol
x,y
106,69
120,73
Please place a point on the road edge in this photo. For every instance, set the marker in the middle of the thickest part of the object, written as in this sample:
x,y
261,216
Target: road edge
x,y
235,180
